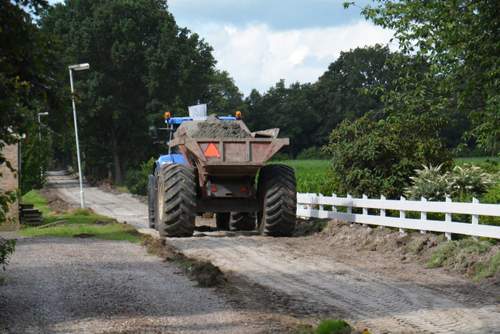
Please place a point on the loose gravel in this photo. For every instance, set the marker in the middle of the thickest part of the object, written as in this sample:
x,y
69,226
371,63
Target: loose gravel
x,y
58,285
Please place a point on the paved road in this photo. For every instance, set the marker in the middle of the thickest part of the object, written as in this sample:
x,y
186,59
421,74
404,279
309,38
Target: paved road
x,y
322,284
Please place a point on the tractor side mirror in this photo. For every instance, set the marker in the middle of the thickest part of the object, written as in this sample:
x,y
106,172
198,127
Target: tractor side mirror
x,y
153,132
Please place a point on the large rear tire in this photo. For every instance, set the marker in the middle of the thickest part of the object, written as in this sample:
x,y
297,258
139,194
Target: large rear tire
x,y
222,221
242,221
278,200
176,201
151,201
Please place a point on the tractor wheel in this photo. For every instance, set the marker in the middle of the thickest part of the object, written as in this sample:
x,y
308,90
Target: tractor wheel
x,y
242,221
278,200
151,200
176,201
222,220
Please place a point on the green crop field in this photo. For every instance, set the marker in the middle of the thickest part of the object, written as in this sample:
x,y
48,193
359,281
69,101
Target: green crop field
x,y
476,160
313,176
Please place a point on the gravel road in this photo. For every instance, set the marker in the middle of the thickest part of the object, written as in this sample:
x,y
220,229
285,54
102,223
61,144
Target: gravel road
x,y
319,284
56,285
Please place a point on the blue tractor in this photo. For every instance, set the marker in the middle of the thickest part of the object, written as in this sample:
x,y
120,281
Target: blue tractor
x,y
218,165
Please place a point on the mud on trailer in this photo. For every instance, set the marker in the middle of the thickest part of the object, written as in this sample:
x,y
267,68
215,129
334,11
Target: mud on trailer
x,y
217,165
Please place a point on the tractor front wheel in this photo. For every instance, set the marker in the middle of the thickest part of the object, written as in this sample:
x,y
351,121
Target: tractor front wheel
x,y
278,200
176,203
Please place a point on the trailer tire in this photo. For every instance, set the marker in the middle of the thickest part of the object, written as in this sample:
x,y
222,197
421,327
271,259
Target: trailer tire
x,y
278,200
222,220
151,201
176,201
242,221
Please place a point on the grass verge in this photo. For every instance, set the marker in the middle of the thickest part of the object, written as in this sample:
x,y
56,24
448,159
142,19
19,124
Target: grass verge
x,y
76,223
478,259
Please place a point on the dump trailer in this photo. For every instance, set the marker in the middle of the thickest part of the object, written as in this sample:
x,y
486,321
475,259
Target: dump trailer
x,y
217,165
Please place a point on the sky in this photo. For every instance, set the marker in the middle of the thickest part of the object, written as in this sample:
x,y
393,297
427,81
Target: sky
x,y
260,42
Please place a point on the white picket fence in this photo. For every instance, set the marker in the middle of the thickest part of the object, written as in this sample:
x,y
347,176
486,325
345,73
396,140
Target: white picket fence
x,y
313,206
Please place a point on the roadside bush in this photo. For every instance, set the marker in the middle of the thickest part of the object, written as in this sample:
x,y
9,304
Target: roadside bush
x,y
462,183
378,156
468,180
6,249
429,182
136,180
332,326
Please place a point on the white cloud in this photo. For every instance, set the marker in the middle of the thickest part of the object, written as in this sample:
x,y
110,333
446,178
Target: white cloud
x,y
257,56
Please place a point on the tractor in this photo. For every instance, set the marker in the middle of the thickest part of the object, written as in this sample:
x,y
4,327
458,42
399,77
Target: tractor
x,y
215,164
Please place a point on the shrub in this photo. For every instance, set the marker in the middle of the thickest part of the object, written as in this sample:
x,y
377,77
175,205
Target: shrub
x,y
462,183
136,180
468,180
378,156
6,249
331,326
430,183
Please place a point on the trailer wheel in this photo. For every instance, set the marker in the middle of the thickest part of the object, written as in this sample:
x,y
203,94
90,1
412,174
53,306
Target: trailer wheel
x,y
151,200
176,201
242,221
278,200
222,220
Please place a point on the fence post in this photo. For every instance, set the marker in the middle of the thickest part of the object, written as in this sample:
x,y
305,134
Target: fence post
x,y
334,208
402,214
423,214
320,195
365,210
349,208
382,211
475,218
447,218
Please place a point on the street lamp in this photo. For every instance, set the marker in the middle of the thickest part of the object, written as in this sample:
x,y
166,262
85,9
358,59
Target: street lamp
x,y
40,124
40,136
71,68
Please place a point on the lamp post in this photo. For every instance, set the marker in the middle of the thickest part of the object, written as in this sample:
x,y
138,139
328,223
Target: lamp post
x,y
40,124
40,136
71,68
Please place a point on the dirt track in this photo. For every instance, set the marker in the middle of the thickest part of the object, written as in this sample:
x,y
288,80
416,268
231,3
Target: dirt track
x,y
317,284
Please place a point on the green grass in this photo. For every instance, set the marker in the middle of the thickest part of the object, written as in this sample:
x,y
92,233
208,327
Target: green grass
x,y
476,160
313,176
75,222
40,202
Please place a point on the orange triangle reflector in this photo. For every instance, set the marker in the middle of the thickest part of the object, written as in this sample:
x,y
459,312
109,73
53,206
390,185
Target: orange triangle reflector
x,y
211,151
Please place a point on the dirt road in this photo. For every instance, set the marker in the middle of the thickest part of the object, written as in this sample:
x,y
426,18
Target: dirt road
x,y
318,284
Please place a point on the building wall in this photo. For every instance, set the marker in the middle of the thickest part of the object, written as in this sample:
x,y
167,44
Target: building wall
x,y
9,180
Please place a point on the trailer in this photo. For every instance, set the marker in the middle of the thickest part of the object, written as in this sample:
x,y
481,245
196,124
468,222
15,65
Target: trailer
x,y
217,165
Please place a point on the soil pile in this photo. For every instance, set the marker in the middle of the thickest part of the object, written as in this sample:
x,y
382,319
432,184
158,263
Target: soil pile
x,y
212,128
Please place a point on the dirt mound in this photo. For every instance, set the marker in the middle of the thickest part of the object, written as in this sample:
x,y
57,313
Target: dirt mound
x,y
54,202
212,128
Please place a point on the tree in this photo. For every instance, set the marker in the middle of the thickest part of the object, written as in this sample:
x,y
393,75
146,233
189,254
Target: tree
x,y
460,41
288,108
224,97
142,64
352,86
